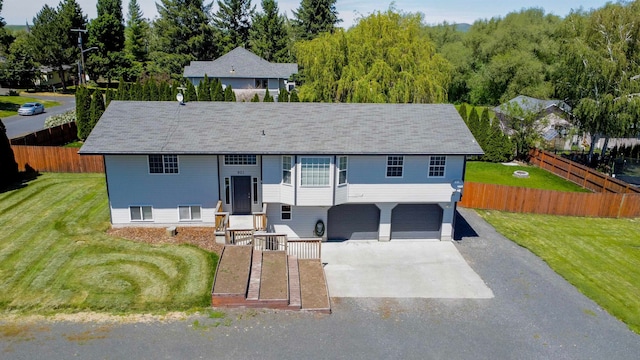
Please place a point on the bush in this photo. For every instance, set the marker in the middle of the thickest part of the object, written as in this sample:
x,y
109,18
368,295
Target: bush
x,y
55,120
13,93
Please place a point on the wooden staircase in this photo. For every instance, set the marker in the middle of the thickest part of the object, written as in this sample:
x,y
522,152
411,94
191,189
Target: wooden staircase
x,y
246,277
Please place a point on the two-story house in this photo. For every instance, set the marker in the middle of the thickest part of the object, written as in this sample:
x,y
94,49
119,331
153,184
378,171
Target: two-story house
x,y
245,72
365,171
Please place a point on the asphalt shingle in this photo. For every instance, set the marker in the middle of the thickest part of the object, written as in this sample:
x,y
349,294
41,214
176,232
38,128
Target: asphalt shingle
x,y
138,127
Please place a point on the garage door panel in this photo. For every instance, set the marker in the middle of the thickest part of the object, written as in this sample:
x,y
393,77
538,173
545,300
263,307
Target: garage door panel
x,y
353,222
416,221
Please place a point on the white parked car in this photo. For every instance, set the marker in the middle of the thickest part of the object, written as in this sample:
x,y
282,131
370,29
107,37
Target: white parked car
x,y
31,108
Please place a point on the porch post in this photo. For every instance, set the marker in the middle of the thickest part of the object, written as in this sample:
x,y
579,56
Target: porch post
x,y
384,227
448,214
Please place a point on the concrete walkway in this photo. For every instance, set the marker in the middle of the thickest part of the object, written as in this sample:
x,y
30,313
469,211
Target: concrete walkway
x,y
400,269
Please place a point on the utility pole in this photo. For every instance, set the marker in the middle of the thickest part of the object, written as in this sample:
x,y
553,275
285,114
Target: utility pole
x,y
81,78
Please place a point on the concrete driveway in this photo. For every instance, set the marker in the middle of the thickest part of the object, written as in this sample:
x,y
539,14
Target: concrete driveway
x,y
400,269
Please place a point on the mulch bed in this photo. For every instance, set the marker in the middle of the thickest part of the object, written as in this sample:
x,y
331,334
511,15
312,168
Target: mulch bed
x,y
273,282
233,272
313,285
201,237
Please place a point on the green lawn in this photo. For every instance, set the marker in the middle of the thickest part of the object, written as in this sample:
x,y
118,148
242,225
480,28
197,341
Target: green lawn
x,y
9,104
55,255
492,173
600,257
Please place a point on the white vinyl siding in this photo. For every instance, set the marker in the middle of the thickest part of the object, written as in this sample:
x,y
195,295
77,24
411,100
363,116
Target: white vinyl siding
x,y
190,213
141,213
437,165
315,171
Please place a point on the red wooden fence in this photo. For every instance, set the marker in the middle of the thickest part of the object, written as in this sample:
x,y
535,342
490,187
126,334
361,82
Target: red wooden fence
x,y
537,201
57,135
56,159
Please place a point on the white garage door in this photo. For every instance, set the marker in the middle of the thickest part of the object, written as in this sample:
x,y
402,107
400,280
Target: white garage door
x,y
353,222
416,221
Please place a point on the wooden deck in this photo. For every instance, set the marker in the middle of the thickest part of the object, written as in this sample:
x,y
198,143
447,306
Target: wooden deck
x,y
246,277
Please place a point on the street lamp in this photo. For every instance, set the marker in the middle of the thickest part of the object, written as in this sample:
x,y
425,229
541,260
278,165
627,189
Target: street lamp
x,y
81,78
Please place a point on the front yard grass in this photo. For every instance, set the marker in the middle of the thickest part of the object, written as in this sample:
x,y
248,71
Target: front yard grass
x,y
9,104
492,173
600,257
56,256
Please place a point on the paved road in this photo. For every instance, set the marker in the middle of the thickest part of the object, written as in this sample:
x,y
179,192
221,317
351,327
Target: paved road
x,y
535,315
20,125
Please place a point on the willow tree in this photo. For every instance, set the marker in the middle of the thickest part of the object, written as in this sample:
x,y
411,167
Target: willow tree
x,y
599,74
385,58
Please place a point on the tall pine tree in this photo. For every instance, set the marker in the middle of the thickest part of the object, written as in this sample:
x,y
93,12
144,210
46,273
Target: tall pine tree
x,y
232,22
83,115
106,33
268,34
314,17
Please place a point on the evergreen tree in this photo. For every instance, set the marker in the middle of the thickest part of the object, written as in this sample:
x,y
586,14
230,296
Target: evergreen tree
x,y
232,22
293,96
53,43
146,91
229,95
83,115
8,165
283,95
268,34
314,17
267,97
204,89
136,33
190,94
96,108
464,114
484,126
106,32
474,122
136,92
182,32
217,94
255,98
108,95
123,92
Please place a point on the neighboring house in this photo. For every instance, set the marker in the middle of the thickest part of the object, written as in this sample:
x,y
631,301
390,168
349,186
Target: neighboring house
x,y
367,171
246,72
553,117
50,77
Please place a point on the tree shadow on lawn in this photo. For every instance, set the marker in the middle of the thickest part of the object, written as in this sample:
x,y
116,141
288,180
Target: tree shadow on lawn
x,y
7,106
462,228
24,177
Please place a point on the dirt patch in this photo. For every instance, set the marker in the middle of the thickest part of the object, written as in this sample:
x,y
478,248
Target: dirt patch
x,y
88,335
201,237
313,287
233,271
273,281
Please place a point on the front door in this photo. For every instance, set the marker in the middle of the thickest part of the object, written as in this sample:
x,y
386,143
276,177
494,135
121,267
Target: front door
x,y
241,195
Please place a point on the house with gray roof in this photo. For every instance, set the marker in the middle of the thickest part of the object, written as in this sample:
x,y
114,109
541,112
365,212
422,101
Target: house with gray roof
x,y
553,116
245,72
358,171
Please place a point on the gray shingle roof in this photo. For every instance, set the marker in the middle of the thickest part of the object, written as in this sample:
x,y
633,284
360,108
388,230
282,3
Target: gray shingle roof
x,y
137,127
240,63
532,104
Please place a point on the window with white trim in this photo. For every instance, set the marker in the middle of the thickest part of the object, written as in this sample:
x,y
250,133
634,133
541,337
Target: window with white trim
x,y
190,213
163,164
342,170
314,171
285,212
286,169
395,164
437,165
240,159
141,213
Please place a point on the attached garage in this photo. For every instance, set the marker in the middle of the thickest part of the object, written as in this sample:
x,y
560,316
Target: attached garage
x,y
416,221
353,222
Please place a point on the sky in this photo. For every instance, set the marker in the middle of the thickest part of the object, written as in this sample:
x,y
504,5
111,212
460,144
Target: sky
x,y
18,12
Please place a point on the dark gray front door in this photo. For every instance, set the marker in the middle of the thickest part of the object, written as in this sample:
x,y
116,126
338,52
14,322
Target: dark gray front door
x,y
241,195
